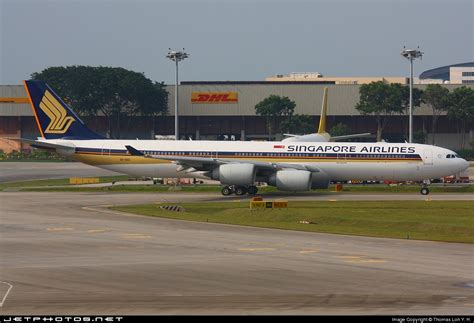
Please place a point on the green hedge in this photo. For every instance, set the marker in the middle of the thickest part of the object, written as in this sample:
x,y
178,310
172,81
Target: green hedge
x,y
40,155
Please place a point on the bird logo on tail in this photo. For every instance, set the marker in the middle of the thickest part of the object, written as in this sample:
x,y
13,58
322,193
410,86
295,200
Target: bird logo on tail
x,y
60,121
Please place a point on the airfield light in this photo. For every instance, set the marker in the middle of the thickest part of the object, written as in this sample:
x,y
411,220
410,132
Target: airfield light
x,y
176,56
411,55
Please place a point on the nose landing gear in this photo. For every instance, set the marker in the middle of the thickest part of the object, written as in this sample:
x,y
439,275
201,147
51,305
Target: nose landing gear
x,y
239,190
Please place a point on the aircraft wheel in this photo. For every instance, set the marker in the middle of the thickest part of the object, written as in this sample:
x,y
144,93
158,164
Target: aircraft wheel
x,y
425,191
226,191
252,190
240,190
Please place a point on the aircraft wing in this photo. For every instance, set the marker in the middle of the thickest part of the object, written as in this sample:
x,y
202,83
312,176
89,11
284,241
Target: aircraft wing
x,y
208,163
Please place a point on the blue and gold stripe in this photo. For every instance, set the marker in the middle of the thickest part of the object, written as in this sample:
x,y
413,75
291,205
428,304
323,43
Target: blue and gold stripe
x,y
99,156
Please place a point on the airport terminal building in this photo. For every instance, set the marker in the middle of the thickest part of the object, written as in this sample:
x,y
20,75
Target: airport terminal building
x,y
226,110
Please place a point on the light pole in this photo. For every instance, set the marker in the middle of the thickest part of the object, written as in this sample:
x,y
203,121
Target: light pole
x,y
411,54
176,56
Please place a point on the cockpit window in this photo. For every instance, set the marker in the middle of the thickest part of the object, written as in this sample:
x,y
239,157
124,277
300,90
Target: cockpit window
x,y
453,156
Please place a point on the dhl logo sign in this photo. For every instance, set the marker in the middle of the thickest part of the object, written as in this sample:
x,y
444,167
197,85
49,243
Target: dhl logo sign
x,y
214,97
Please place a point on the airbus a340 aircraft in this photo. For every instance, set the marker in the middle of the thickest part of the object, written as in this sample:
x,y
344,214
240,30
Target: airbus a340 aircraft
x,y
290,166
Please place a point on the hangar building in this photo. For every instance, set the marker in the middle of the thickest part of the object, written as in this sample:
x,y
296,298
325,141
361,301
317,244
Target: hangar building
x,y
212,110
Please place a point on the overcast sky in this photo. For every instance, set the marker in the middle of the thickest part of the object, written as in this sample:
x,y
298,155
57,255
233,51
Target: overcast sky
x,y
234,40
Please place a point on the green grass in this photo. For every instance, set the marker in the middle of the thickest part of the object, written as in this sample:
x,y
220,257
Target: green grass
x,y
453,188
50,183
450,221
48,186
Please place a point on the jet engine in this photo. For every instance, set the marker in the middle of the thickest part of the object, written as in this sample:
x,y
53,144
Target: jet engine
x,y
291,180
235,174
320,180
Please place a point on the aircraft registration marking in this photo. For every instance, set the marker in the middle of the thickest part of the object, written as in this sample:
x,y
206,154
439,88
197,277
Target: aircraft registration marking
x,y
309,251
59,229
136,236
95,231
360,259
256,249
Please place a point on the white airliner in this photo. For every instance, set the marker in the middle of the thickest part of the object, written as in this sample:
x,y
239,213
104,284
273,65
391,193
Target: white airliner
x,y
321,135
290,166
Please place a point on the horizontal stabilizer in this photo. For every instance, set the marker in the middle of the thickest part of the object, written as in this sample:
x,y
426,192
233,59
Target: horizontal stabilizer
x,y
43,144
356,135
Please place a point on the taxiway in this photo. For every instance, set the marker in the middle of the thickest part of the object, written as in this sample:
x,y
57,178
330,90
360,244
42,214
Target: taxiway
x,y
66,253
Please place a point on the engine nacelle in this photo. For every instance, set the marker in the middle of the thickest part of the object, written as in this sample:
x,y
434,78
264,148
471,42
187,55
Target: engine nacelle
x,y
291,180
320,180
235,174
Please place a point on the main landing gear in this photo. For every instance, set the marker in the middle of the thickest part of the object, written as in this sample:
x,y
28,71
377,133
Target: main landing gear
x,y
239,190
424,188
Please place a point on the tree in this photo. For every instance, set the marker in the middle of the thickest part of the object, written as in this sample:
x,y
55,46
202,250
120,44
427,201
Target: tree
x,y
462,110
274,107
381,100
437,97
340,129
115,92
298,124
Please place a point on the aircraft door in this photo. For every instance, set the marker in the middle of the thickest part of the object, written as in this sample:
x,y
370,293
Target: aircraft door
x,y
427,156
105,151
212,154
342,158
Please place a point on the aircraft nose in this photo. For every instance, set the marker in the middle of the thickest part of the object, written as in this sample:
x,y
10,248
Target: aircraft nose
x,y
465,164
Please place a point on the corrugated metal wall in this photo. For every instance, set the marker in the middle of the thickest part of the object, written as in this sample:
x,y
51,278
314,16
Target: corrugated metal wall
x,y
14,109
308,99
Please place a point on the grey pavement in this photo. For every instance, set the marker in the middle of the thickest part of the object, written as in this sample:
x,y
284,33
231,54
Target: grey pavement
x,y
18,171
66,253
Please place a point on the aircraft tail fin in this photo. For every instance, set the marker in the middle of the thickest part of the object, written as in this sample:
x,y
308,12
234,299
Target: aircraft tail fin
x,y
54,118
324,109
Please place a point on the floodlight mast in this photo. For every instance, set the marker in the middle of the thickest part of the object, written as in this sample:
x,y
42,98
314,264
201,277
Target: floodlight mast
x,y
411,55
176,56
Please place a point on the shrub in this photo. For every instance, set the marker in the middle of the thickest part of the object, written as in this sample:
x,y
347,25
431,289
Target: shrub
x,y
35,154
467,154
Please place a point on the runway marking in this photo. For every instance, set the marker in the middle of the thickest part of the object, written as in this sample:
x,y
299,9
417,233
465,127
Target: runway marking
x,y
59,229
256,249
6,294
100,209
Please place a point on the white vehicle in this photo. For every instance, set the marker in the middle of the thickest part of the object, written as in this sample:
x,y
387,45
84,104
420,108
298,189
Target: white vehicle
x,y
290,166
321,135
